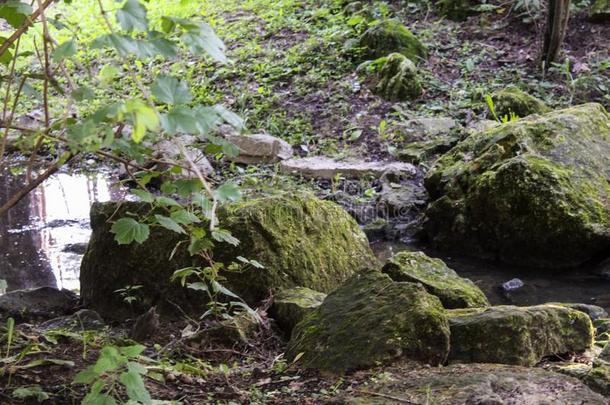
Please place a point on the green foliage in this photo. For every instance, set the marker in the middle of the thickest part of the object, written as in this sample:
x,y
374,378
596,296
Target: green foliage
x,y
116,366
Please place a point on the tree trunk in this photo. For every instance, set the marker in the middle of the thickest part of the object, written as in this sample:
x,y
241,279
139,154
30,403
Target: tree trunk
x,y
556,27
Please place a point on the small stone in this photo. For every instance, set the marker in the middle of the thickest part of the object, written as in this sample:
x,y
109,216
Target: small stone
x,y
291,305
512,285
327,168
146,325
511,100
259,148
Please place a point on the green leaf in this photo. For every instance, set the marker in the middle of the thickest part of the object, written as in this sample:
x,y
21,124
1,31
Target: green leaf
x,y
222,235
169,223
144,118
31,392
132,351
48,362
197,286
203,39
65,50
199,244
15,12
185,217
134,385
229,117
127,230
108,73
166,201
86,376
132,16
228,192
144,196
169,90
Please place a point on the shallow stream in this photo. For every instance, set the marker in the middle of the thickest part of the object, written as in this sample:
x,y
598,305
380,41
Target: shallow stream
x,y
42,241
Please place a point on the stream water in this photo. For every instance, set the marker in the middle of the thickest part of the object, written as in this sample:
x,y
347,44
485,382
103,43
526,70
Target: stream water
x,y
43,238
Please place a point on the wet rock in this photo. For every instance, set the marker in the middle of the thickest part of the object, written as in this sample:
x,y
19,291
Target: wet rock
x,y
146,325
593,311
428,127
600,11
400,201
291,305
511,100
376,230
438,279
475,384
371,320
76,248
301,241
602,325
259,148
326,168
512,285
390,36
517,335
397,79
84,319
38,303
531,192
482,125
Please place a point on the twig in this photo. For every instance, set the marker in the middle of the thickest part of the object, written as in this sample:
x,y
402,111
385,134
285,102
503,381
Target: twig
x,y
393,398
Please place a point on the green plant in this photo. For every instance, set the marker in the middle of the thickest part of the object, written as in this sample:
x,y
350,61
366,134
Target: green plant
x,y
492,109
116,367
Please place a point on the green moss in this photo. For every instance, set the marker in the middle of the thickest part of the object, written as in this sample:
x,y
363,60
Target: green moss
x,y
391,36
398,79
301,241
532,192
437,278
291,305
600,11
371,320
515,101
517,335
598,379
457,10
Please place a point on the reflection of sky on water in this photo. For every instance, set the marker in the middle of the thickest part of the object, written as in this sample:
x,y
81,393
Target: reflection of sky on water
x,y
41,238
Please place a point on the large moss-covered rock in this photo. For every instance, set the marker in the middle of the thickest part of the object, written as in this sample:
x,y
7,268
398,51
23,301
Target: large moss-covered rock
x,y
301,241
291,305
456,10
511,100
600,11
472,384
398,79
533,192
371,320
391,36
517,335
438,279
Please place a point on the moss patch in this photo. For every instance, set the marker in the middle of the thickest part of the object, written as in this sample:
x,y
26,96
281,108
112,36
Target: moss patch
x,y
398,79
437,278
301,241
511,100
391,36
533,192
517,335
291,305
371,320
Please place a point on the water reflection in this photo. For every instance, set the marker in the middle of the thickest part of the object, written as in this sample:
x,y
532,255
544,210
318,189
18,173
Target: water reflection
x,y
42,238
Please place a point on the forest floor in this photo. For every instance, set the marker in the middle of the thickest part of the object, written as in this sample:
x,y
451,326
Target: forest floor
x,y
292,77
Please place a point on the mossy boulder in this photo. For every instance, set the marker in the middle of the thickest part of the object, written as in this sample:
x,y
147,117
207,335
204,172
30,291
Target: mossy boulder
x,y
397,80
371,320
391,36
531,192
291,305
517,335
472,384
438,279
511,101
301,241
456,10
600,11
